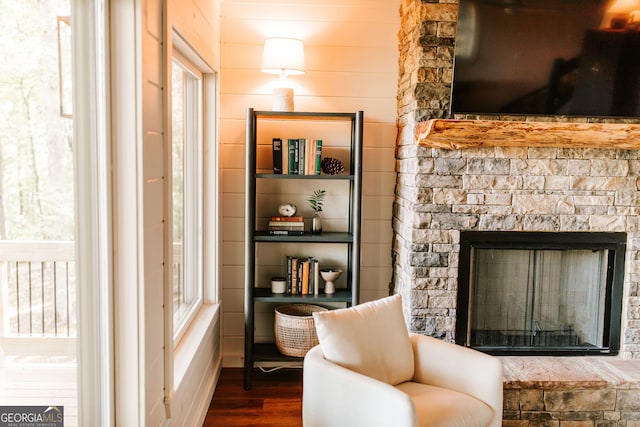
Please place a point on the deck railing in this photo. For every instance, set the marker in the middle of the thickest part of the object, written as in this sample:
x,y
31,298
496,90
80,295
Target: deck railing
x,y
37,289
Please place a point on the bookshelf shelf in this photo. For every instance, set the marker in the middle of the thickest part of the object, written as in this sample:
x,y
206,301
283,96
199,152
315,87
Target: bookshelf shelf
x,y
268,352
307,177
265,295
345,243
297,115
326,237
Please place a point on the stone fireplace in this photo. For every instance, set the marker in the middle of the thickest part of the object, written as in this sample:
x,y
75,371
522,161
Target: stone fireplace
x,y
526,174
519,174
442,193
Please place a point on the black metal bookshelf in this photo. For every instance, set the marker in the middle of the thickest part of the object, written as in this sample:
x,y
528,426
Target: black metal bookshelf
x,y
348,241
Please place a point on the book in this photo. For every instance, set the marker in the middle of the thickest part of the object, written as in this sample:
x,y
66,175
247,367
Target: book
x,y
286,232
294,224
310,275
304,281
285,157
296,158
316,277
309,157
293,154
318,157
287,218
312,265
292,230
286,228
302,149
286,225
276,144
288,274
294,276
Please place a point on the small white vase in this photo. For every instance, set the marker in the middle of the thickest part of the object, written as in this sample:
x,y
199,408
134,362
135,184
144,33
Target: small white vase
x,y
330,276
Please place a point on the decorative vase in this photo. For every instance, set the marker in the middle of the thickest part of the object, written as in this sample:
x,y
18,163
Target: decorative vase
x,y
330,276
316,223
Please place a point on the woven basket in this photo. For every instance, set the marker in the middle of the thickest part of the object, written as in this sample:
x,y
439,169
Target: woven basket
x,y
295,330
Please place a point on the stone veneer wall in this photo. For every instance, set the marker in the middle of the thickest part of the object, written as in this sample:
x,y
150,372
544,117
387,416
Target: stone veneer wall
x,y
426,43
440,192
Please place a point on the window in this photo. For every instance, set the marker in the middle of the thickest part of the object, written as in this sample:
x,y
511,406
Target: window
x,y
191,311
187,189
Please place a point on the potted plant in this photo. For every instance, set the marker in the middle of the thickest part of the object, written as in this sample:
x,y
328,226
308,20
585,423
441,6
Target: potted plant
x,y
315,201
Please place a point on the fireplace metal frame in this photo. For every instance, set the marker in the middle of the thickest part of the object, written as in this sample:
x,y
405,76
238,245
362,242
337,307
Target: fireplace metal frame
x,y
615,242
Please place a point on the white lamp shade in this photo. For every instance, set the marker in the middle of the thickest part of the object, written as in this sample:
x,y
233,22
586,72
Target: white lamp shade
x,y
624,6
283,55
622,12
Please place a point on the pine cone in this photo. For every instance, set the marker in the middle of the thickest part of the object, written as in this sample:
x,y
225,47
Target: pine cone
x,y
331,166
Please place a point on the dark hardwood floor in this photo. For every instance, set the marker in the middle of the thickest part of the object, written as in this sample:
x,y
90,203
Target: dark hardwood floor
x,y
274,400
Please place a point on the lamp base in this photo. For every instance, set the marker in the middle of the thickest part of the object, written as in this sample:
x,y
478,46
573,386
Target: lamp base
x,y
282,99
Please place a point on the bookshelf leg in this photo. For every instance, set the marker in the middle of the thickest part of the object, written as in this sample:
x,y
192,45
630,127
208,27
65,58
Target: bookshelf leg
x,y
247,378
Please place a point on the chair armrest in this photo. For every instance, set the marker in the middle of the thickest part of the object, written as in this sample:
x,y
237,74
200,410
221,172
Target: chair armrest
x,y
336,396
459,368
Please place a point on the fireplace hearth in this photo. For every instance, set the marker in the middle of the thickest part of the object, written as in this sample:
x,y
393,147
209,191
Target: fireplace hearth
x,y
540,293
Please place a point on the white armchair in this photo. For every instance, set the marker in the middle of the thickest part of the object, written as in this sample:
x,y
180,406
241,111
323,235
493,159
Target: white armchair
x,y
369,371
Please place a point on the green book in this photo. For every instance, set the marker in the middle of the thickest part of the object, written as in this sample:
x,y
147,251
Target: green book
x,y
301,153
293,144
318,156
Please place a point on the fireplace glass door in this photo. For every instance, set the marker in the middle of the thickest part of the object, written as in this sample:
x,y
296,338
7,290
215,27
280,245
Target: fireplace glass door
x,y
536,299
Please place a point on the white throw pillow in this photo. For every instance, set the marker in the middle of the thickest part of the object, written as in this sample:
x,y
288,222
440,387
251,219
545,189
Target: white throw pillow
x,y
369,338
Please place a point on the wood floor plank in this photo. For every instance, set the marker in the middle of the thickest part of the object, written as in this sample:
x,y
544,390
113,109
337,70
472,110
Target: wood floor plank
x,y
282,412
275,400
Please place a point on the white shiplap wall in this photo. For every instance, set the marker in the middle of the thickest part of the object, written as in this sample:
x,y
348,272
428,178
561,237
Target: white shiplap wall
x,y
351,54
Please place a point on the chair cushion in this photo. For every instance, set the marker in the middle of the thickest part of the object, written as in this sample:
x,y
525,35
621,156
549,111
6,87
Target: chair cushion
x,y
439,407
370,338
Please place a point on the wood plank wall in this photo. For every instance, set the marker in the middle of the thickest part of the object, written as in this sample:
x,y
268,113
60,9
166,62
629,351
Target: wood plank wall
x,y
351,53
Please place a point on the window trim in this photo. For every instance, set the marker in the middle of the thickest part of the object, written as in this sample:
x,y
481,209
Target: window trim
x,y
179,360
94,207
193,187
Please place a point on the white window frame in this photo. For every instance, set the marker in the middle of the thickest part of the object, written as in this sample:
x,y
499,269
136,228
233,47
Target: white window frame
x,y
180,350
193,180
92,175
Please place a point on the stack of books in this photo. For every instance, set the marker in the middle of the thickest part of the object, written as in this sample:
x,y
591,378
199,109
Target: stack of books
x,y
303,275
286,226
301,156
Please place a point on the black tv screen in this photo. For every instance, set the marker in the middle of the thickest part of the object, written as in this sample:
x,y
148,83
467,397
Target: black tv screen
x,y
548,57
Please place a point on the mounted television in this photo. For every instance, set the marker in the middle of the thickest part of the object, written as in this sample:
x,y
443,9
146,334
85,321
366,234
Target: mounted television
x,y
548,57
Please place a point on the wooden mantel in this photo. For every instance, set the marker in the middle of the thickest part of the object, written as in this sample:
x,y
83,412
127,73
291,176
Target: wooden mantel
x,y
458,134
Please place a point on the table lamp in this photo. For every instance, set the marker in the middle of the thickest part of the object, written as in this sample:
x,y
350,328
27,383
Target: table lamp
x,y
283,56
622,15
